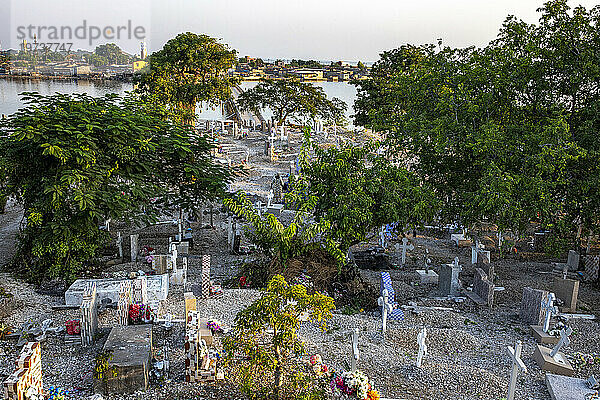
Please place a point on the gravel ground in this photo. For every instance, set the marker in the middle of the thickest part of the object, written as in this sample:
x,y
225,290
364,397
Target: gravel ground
x,y
467,347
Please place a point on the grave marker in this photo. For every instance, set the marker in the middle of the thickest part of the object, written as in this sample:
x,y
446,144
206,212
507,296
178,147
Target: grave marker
x,y
405,246
134,247
355,351
422,346
89,315
592,264
517,365
386,308
531,306
449,283
427,275
205,276
567,388
483,289
540,332
553,360
567,290
386,284
26,381
573,260
125,299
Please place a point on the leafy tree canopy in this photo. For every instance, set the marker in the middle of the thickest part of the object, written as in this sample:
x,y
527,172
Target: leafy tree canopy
x,y
75,161
292,99
505,133
189,69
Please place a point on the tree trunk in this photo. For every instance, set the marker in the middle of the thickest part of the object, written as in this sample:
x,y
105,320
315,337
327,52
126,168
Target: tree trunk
x,y
278,380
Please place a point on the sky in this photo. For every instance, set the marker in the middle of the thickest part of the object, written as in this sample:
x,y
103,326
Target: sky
x,y
349,30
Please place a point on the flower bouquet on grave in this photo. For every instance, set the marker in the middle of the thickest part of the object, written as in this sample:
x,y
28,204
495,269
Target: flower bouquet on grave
x,y
140,314
354,385
215,326
73,327
320,369
55,393
582,360
216,290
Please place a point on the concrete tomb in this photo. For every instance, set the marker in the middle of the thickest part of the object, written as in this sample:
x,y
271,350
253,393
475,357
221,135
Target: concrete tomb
x,y
573,260
157,289
567,388
483,289
26,381
131,349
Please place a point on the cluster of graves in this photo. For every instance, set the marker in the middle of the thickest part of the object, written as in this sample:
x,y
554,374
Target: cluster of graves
x,y
537,309
138,303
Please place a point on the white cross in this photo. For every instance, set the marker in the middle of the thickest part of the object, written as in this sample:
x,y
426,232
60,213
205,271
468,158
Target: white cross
x,y
355,352
405,246
422,346
386,308
550,308
475,251
456,264
270,198
517,364
564,341
120,244
382,237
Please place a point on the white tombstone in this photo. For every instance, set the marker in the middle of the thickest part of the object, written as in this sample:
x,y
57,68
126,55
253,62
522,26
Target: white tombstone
x,y
421,337
386,308
475,250
550,308
355,351
517,365
270,197
564,341
382,237
405,246
120,244
134,247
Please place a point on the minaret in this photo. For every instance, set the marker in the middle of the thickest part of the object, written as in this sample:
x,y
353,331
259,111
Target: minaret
x,y
144,51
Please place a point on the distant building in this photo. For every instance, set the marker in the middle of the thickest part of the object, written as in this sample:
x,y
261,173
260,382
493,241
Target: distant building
x,y
308,74
139,65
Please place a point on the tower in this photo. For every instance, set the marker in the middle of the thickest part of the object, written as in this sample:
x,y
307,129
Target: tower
x,y
144,51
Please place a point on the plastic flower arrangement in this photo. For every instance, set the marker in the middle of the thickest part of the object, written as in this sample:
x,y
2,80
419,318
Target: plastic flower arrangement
x,y
140,314
214,325
355,385
55,393
73,327
318,367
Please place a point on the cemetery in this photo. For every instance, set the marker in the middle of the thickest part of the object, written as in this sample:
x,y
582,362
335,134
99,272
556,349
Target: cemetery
x,y
448,249
444,316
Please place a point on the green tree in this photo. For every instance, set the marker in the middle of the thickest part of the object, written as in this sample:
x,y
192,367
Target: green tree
x,y
505,133
75,161
358,190
292,99
269,356
110,53
189,69
361,67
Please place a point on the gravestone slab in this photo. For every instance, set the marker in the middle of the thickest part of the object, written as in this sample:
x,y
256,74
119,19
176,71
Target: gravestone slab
x,y
427,277
573,260
567,388
567,290
557,365
483,288
131,348
157,286
449,284
531,306
592,266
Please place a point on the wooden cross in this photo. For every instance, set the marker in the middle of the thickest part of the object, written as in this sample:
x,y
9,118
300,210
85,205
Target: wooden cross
x,y
355,351
517,365
422,346
386,308
550,308
564,341
405,246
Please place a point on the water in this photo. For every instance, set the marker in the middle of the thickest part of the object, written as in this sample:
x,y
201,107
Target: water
x,y
10,90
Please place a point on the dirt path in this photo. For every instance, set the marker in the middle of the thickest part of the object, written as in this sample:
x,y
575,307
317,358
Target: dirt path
x,y
9,228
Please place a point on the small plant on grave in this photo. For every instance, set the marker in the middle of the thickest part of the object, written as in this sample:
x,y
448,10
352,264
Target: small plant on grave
x,y
102,369
264,347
